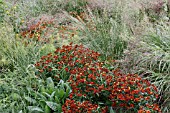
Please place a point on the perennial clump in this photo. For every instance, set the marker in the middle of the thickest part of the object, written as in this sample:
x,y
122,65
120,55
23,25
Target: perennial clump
x,y
65,61
95,88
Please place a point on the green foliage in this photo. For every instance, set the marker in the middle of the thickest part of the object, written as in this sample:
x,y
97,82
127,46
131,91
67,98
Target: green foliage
x,y
5,65
159,11
46,7
99,29
2,11
106,37
56,6
64,61
47,97
14,79
150,59
77,6
48,48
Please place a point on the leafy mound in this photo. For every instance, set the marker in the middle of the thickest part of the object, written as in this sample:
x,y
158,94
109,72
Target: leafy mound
x,y
65,61
94,87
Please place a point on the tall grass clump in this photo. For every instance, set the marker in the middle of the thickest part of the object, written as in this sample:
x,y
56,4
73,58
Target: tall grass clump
x,y
159,62
149,56
104,31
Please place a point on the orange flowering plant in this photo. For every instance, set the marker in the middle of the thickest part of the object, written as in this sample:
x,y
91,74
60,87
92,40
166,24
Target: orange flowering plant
x,y
134,93
105,90
94,87
65,61
38,30
46,30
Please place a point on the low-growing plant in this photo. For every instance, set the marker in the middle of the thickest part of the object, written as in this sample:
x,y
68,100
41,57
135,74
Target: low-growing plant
x,y
95,85
64,61
5,65
17,74
47,97
106,91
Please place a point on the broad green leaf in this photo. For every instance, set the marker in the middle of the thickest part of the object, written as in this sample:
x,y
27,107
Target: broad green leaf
x,y
48,95
52,95
52,105
67,91
59,108
15,96
41,96
47,109
61,93
57,99
31,100
34,108
42,103
50,82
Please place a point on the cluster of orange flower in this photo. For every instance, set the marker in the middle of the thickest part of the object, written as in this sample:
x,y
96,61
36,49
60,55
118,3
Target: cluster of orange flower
x,y
94,87
44,28
36,30
69,59
72,106
130,90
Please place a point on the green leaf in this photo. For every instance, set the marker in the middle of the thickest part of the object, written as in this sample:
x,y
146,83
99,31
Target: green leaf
x,y
111,110
59,108
52,105
29,99
34,108
50,82
56,99
48,95
15,96
41,96
61,93
42,103
67,92
42,89
20,111
52,95
47,109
